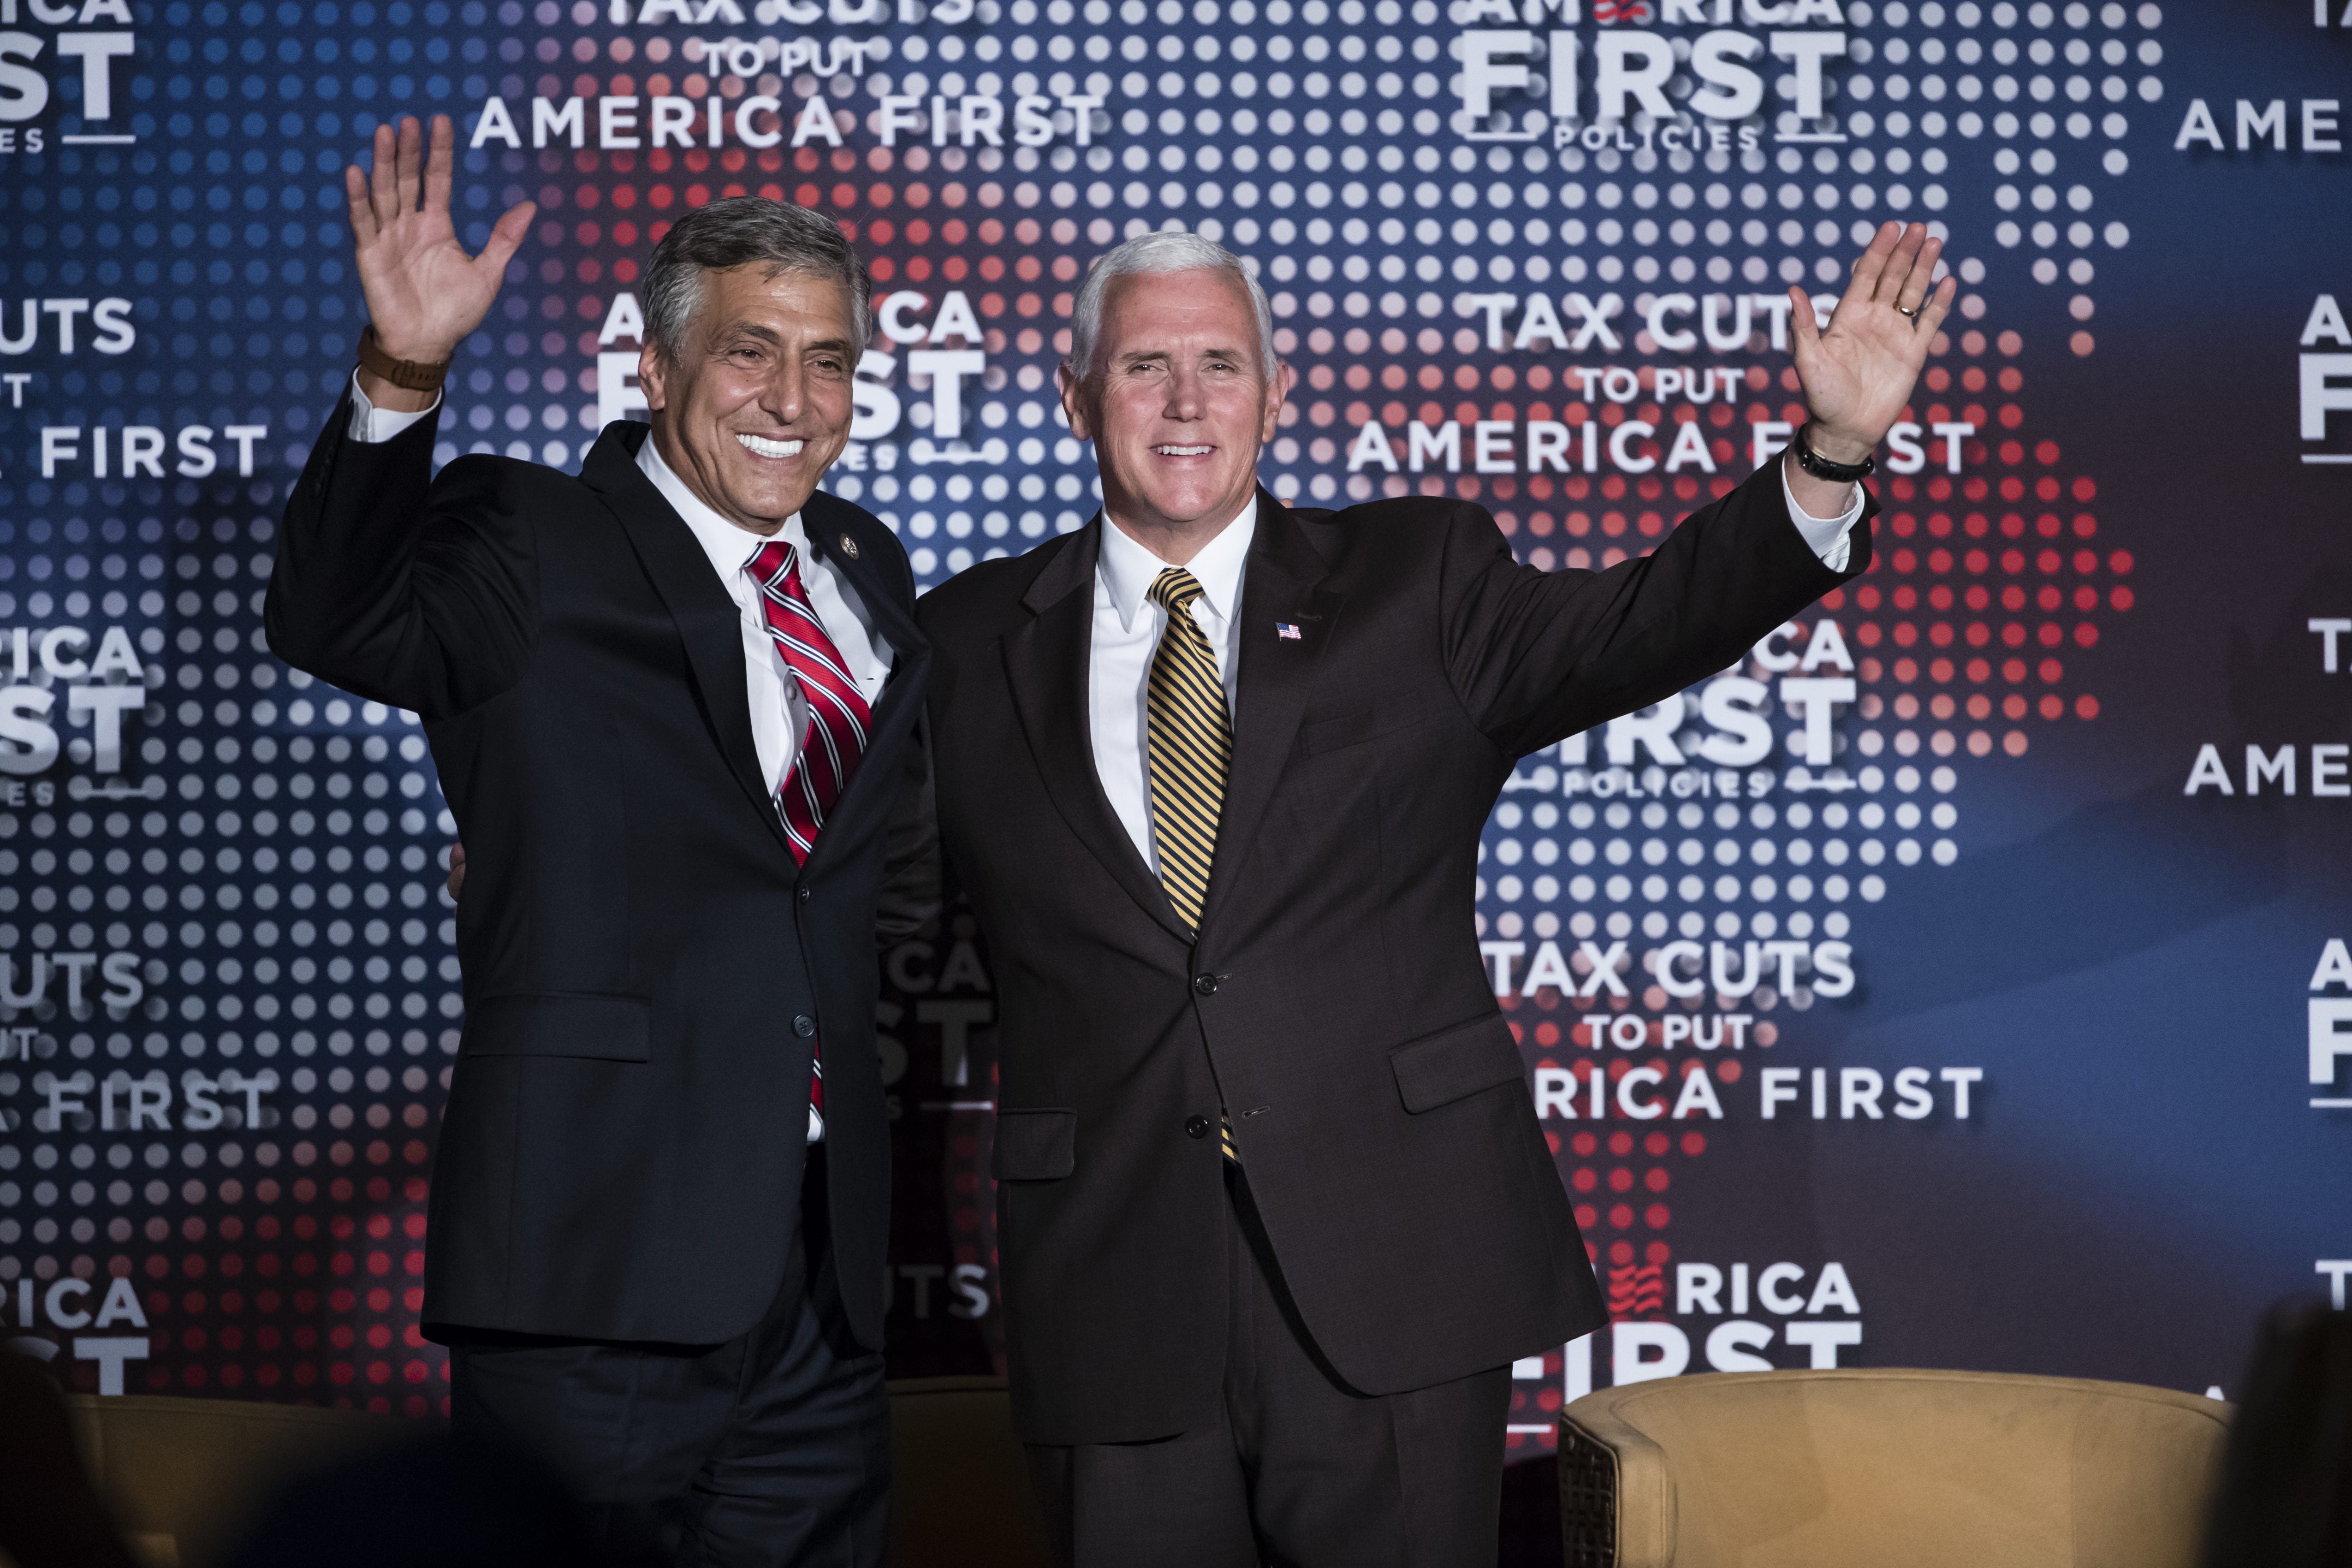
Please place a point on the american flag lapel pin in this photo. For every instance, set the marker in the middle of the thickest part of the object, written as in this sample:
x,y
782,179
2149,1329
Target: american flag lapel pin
x,y
1287,632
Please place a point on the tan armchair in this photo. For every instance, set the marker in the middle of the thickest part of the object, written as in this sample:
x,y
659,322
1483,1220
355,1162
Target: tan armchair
x,y
184,1479
1860,1469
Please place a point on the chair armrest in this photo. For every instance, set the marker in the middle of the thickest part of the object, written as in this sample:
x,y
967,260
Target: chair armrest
x,y
1616,1493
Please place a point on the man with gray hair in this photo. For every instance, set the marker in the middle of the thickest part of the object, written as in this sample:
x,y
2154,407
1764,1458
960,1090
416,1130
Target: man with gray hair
x,y
675,707
1275,1213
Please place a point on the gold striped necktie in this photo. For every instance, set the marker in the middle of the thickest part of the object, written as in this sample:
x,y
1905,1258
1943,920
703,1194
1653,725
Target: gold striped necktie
x,y
1192,750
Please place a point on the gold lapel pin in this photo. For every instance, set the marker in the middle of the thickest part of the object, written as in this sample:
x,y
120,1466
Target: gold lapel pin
x,y
849,547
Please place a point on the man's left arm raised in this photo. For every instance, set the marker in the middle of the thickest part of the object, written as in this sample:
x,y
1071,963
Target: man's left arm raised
x,y
1538,656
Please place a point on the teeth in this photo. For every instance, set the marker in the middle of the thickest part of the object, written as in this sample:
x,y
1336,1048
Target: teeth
x,y
760,447
1183,451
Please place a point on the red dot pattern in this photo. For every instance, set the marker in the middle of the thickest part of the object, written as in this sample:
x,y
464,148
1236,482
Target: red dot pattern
x,y
304,1290
1986,586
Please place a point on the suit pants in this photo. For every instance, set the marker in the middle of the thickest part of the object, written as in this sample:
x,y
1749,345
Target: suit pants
x,y
770,1449
1302,1472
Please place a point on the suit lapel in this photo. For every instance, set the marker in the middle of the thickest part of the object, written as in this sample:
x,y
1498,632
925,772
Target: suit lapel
x,y
697,602
829,522
1278,588
1046,663
834,524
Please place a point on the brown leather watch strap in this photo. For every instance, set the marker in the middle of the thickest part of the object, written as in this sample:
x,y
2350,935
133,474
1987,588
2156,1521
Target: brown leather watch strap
x,y
399,372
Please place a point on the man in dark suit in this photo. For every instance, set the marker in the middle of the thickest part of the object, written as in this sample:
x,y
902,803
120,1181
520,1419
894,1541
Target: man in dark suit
x,y
1275,1213
675,704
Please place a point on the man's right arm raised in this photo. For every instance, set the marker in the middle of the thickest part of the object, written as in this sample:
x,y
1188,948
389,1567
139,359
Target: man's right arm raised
x,y
411,591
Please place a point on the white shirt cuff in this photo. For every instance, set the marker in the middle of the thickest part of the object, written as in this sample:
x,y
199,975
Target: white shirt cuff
x,y
1825,537
371,424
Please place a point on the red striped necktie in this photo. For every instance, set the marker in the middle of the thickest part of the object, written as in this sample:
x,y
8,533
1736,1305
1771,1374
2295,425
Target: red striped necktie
x,y
838,717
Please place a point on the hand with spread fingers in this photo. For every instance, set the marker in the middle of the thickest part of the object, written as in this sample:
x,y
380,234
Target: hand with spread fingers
x,y
1858,374
423,292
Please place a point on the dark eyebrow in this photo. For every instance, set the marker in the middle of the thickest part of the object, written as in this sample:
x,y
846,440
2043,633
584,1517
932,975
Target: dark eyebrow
x,y
736,331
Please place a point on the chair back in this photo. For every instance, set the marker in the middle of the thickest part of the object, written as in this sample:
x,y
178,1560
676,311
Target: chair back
x,y
186,1479
1857,1468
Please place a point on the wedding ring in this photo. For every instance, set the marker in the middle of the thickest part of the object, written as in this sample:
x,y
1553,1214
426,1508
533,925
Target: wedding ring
x,y
1910,310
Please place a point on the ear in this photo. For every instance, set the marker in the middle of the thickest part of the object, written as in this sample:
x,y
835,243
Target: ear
x,y
1074,402
649,377
1277,390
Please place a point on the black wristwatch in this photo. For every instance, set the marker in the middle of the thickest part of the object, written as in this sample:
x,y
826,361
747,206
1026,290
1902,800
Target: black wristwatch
x,y
1821,467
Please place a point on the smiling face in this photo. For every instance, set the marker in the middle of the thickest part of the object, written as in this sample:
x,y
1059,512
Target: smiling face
x,y
1177,402
754,404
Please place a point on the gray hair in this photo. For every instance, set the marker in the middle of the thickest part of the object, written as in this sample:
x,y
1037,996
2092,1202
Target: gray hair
x,y
736,231
1155,253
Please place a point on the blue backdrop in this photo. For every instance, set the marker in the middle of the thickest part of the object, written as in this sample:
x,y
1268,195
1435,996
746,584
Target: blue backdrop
x,y
1959,981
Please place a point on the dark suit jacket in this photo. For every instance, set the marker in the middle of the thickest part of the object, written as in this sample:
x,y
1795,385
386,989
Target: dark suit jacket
x,y
644,963
1335,1000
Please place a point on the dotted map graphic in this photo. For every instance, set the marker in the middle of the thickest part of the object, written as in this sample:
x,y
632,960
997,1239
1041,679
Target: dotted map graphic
x,y
230,999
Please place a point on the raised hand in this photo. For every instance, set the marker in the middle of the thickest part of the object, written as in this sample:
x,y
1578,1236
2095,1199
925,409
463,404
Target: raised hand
x,y
1859,374
423,292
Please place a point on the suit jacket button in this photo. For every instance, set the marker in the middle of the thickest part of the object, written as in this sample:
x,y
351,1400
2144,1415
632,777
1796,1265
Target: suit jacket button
x,y
806,894
1197,1127
1206,984
804,1025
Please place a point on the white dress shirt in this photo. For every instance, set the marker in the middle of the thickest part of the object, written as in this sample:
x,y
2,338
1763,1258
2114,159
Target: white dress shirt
x,y
370,424
1824,536
1128,625
779,711
1127,631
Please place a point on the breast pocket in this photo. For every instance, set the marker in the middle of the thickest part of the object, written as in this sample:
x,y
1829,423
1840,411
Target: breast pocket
x,y
1321,735
559,1023
1039,1145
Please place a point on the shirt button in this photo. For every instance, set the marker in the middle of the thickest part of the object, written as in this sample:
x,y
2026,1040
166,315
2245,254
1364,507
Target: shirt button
x,y
804,1025
1197,1127
1206,984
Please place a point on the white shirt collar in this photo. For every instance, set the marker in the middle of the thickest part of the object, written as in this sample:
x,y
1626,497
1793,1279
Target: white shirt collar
x,y
730,548
1128,570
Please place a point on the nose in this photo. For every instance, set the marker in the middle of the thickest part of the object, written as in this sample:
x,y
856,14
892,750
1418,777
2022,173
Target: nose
x,y
1184,393
781,396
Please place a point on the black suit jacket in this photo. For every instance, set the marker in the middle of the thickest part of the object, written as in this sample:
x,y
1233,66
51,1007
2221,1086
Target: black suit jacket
x,y
1335,1000
625,1130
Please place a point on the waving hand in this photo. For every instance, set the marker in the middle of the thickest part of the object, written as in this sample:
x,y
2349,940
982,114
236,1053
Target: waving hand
x,y
1858,375
423,292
